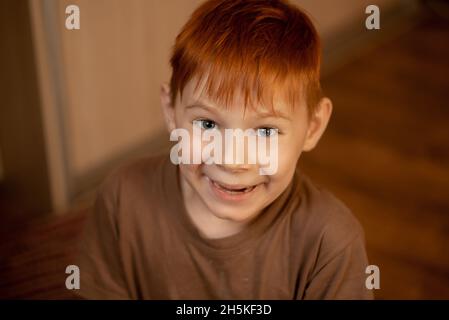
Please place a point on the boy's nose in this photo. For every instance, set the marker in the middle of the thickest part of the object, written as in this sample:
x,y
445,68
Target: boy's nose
x,y
234,167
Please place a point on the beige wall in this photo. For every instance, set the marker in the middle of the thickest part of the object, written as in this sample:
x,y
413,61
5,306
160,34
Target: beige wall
x,y
113,69
106,76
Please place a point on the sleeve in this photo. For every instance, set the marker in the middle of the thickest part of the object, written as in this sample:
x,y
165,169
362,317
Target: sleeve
x,y
340,274
100,261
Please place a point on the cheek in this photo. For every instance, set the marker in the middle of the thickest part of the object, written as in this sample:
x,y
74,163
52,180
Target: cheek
x,y
291,147
283,175
190,170
288,154
287,161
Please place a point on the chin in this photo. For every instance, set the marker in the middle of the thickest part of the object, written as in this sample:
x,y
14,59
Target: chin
x,y
240,214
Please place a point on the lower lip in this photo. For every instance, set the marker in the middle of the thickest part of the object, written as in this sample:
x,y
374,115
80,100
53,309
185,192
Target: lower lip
x,y
231,196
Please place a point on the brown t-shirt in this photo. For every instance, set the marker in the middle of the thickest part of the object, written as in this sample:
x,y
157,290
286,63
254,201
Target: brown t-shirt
x,y
140,243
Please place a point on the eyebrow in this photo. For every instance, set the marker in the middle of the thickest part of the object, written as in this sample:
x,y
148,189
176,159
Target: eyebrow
x,y
201,105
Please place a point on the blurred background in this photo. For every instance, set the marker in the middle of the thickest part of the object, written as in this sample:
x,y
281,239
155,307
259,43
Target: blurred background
x,y
76,103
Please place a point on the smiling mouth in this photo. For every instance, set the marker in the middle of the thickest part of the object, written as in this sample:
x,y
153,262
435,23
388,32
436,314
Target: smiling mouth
x,y
233,190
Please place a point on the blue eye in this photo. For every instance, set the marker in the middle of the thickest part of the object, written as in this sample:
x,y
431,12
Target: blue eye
x,y
267,132
205,124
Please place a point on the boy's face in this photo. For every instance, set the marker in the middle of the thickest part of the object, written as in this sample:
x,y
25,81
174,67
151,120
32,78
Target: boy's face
x,y
238,192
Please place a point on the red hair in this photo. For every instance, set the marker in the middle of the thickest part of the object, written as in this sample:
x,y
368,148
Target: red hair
x,y
260,47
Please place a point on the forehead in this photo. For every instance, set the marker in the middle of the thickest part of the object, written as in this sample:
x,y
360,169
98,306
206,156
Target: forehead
x,y
195,93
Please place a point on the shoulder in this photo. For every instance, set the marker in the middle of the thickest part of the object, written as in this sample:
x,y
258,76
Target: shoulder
x,y
128,196
132,178
326,220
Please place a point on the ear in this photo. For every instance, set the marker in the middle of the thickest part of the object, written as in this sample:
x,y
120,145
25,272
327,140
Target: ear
x,y
168,109
318,123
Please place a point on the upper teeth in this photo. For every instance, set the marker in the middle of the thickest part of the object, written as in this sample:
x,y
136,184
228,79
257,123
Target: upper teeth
x,y
244,189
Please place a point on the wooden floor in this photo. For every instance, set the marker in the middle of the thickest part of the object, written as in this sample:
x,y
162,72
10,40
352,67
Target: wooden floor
x,y
34,256
385,154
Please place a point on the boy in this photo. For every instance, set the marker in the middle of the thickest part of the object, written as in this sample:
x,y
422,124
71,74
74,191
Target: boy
x,y
223,229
